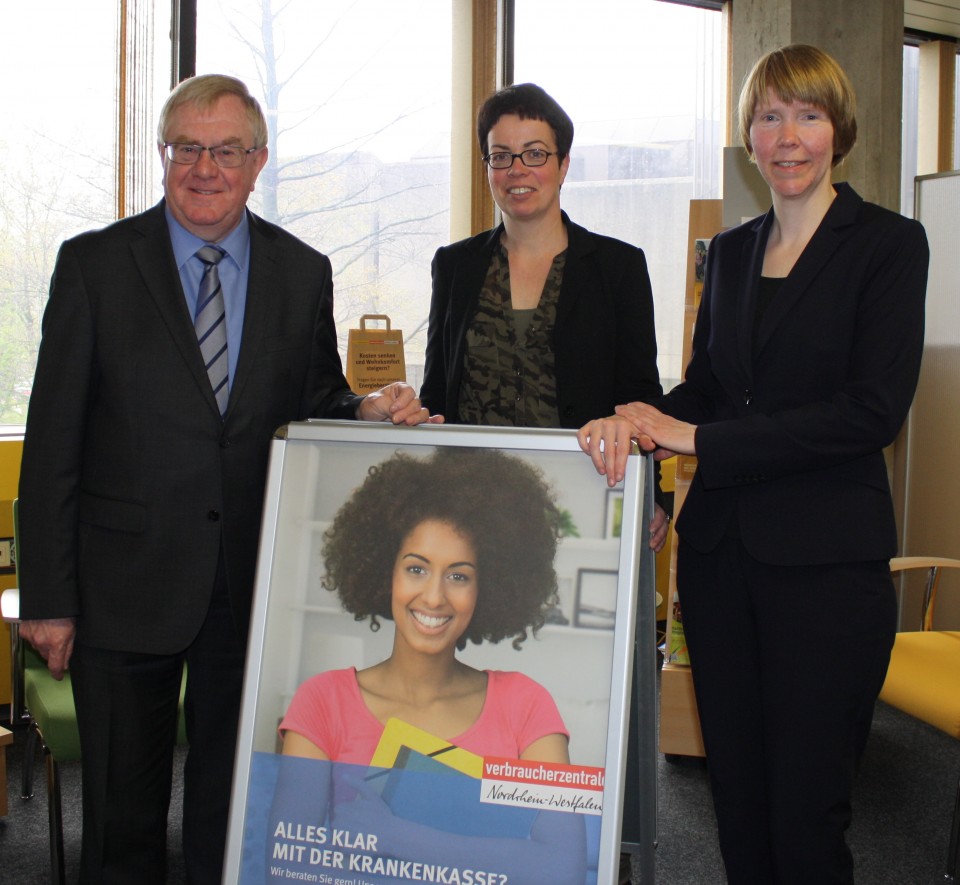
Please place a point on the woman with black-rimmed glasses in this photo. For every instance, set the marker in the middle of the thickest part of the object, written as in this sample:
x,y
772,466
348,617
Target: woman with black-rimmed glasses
x,y
538,322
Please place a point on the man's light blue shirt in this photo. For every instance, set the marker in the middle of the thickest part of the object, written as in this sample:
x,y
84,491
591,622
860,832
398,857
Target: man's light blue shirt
x,y
234,271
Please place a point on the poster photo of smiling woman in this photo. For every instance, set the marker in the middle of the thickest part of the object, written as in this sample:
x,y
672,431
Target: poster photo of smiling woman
x,y
426,700
446,568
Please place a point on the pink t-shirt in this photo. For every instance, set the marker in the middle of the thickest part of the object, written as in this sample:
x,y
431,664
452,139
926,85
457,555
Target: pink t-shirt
x,y
329,710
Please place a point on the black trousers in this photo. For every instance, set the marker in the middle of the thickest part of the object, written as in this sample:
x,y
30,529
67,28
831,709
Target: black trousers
x,y
127,717
787,665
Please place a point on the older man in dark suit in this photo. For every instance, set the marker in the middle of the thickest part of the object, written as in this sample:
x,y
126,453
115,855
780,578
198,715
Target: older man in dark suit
x,y
175,343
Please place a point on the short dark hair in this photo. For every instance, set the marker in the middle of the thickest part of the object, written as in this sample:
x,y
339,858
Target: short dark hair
x,y
529,102
500,502
802,73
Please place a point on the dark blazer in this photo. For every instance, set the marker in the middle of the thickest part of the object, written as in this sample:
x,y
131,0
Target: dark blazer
x,y
130,478
790,435
604,339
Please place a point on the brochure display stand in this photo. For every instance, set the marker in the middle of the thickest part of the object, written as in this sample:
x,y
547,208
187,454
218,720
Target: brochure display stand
x,y
421,806
679,722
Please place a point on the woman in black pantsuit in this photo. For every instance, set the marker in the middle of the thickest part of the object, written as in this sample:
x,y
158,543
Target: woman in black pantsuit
x,y
806,355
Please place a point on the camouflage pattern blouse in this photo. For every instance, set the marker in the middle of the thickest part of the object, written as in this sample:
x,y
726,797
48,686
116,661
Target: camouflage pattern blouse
x,y
509,378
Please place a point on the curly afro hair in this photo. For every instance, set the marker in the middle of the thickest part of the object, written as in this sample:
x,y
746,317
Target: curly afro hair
x,y
501,503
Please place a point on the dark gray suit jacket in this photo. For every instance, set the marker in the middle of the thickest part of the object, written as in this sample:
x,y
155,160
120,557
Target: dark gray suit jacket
x,y
130,479
791,431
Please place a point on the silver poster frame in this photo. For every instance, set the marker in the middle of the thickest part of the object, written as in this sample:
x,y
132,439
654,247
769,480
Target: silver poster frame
x,y
327,446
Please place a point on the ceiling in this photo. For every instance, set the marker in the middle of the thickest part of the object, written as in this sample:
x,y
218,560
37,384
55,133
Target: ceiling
x,y
933,16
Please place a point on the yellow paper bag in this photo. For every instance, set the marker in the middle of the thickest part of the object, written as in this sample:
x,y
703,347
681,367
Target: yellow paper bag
x,y
374,356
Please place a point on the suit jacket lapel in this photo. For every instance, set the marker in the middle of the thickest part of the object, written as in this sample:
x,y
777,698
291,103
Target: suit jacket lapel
x,y
261,288
153,256
468,278
577,278
751,266
462,293
824,242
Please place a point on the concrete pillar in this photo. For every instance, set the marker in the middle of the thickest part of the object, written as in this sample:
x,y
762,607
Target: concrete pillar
x,y
866,38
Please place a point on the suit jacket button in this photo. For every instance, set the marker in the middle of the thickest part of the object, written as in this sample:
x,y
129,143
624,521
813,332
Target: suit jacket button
x,y
213,515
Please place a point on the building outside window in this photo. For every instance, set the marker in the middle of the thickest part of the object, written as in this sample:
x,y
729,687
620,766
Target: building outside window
x,y
648,100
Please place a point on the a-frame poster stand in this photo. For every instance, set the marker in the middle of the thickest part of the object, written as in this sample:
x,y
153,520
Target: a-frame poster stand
x,y
421,807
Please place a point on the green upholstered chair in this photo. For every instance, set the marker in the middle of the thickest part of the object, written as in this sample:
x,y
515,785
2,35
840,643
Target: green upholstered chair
x,y
45,707
923,678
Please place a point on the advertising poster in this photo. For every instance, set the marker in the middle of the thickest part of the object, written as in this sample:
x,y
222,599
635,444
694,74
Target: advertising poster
x,y
440,663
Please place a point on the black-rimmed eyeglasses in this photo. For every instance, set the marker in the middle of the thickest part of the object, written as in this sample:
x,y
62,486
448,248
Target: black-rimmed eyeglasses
x,y
504,159
226,155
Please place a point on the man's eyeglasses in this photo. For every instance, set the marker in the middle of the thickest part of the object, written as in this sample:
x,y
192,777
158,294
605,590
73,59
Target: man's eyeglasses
x,y
228,156
504,159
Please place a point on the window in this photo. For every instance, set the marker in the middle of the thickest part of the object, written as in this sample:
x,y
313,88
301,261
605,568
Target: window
x,y
909,127
357,95
361,157
909,159
61,170
57,163
647,98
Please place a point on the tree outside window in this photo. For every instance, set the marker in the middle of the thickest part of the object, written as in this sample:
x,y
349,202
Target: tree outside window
x,y
357,97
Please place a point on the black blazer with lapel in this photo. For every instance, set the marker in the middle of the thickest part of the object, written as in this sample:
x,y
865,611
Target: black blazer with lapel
x,y
791,431
604,339
130,479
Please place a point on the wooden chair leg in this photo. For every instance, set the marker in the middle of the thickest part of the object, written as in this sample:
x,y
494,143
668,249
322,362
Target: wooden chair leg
x,y
953,852
55,813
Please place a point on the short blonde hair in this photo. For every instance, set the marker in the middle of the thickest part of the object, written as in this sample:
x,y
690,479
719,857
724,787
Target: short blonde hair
x,y
205,91
802,73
